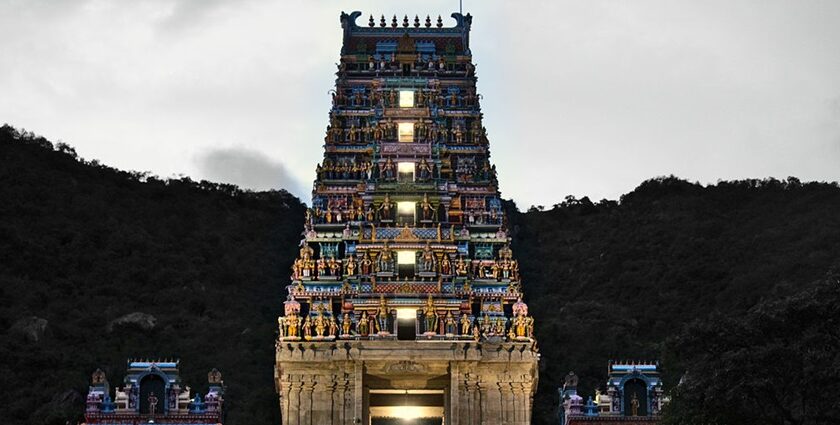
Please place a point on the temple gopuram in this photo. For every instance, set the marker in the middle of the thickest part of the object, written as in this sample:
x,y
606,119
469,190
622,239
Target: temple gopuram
x,y
152,392
634,396
405,301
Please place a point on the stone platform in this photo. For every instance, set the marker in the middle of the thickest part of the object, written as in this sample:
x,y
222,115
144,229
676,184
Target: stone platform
x,y
330,383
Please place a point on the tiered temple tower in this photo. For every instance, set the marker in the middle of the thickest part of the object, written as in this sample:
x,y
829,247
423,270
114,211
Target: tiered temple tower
x,y
405,300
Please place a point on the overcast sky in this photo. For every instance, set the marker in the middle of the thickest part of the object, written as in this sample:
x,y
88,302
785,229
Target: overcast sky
x,y
587,98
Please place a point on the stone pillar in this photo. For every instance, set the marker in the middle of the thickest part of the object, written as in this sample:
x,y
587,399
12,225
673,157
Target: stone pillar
x,y
322,398
291,415
283,385
359,412
520,405
453,396
506,395
349,403
475,402
306,405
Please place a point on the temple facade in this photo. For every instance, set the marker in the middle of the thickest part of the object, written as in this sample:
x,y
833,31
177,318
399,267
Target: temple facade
x,y
405,301
152,392
633,396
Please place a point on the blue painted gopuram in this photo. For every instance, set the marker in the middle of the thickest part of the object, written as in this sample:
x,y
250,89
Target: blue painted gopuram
x,y
634,395
152,392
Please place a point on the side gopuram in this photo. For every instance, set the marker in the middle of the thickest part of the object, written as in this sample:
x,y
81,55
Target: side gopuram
x,y
405,301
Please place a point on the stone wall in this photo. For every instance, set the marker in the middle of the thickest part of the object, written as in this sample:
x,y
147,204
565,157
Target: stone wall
x,y
329,382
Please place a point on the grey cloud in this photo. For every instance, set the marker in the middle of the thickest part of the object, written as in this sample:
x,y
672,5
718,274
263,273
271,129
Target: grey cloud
x,y
248,169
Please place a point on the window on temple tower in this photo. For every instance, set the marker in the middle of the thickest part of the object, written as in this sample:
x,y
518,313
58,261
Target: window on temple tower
x,y
405,212
406,261
406,98
406,131
406,172
406,323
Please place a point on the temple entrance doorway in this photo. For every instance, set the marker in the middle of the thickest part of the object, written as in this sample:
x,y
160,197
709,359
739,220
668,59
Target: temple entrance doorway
x,y
406,407
152,394
635,398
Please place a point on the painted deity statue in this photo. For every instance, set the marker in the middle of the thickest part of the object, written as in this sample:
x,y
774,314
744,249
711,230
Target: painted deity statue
x,y
428,258
430,316
382,315
386,259
450,325
292,322
307,328
346,324
427,208
386,209
521,324
366,264
445,265
461,268
281,326
333,327
465,324
322,267
320,323
350,266
363,324
335,267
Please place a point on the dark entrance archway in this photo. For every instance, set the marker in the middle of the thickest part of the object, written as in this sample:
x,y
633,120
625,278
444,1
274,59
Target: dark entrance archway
x,y
635,388
152,385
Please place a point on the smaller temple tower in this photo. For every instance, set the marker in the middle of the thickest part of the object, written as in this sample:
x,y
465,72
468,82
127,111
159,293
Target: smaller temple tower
x,y
634,395
152,393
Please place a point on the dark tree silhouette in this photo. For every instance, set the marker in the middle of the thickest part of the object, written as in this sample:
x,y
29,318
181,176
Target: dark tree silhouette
x,y
82,244
775,365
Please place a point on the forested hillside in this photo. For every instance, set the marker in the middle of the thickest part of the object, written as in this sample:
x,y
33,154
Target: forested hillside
x,y
83,246
614,280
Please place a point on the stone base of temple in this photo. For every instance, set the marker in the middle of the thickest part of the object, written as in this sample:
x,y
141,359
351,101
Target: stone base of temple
x,y
360,382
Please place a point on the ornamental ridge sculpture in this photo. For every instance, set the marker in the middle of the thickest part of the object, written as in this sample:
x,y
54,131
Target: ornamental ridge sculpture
x,y
406,265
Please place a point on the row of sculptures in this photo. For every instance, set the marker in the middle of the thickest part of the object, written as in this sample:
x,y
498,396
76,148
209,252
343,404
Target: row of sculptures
x,y
366,170
380,322
467,171
405,22
307,267
384,211
421,63
422,131
391,98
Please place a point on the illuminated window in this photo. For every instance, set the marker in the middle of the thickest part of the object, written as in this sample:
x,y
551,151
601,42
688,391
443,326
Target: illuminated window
x,y
406,313
406,131
406,99
405,212
406,172
405,207
406,257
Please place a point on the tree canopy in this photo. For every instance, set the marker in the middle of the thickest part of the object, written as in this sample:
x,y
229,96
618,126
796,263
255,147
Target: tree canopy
x,y
84,245
774,365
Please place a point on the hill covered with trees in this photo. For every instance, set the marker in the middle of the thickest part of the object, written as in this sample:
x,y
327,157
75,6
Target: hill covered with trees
x,y
84,246
99,265
620,280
